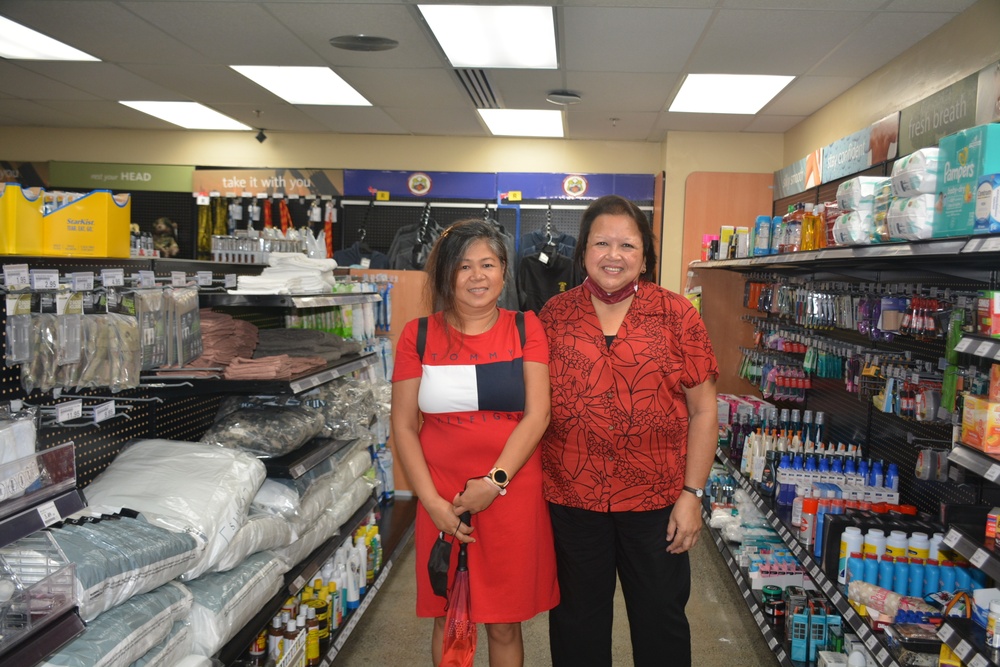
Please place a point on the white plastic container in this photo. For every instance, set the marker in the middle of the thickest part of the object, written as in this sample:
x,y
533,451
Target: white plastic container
x,y
896,544
875,542
918,546
851,542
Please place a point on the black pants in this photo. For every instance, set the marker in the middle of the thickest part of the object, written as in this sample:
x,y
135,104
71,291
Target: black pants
x,y
591,548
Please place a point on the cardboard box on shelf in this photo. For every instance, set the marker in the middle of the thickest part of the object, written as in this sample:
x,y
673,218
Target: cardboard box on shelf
x,y
95,225
20,220
988,313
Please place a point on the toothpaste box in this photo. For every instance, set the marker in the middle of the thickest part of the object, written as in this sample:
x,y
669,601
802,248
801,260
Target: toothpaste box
x,y
963,157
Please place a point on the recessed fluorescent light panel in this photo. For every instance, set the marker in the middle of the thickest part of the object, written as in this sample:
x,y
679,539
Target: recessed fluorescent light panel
x,y
20,43
189,115
727,93
523,122
494,37
305,85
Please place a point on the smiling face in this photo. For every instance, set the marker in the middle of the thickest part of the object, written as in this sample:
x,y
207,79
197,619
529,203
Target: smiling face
x,y
478,278
614,255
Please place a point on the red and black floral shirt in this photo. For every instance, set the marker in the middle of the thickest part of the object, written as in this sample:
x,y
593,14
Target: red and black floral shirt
x,y
618,436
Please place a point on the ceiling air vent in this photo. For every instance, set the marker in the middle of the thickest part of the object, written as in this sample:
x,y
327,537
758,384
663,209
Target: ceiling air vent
x,y
479,88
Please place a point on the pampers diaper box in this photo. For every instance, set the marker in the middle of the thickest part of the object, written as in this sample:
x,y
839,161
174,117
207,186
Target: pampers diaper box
x,y
963,158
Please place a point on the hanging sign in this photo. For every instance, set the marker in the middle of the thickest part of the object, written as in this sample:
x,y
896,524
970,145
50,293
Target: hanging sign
x,y
988,103
799,176
270,182
25,174
127,177
945,112
854,153
409,184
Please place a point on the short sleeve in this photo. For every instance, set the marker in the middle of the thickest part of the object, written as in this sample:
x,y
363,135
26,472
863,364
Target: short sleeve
x,y
536,345
699,358
407,364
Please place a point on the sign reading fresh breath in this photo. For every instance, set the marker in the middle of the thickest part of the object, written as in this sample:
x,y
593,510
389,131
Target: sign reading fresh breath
x,y
945,112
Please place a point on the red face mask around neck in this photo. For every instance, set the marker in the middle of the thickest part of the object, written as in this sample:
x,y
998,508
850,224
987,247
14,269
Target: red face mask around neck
x,y
614,297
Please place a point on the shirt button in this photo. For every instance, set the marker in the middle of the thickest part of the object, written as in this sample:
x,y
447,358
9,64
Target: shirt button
x,y
610,394
611,457
611,428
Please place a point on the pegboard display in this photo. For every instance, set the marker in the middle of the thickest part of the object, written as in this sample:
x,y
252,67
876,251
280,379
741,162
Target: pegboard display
x,y
186,418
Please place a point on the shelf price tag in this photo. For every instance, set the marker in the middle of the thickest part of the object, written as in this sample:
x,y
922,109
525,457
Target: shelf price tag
x,y
83,281
204,278
991,244
772,643
882,656
978,661
113,277
870,641
44,279
963,345
992,473
996,355
746,593
69,411
980,557
48,513
849,614
983,348
147,279
178,279
759,617
963,650
16,276
952,537
104,411
230,281
945,632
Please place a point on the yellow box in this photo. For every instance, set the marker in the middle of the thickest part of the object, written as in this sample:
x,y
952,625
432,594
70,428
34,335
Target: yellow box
x,y
20,220
981,424
96,225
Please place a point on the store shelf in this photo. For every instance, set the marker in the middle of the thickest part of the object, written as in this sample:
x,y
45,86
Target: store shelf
x,y
40,516
221,299
189,386
49,638
984,556
851,619
841,255
396,526
753,604
295,464
980,346
975,461
968,641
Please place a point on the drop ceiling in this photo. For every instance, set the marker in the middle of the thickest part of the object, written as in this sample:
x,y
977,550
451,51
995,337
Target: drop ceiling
x,y
625,59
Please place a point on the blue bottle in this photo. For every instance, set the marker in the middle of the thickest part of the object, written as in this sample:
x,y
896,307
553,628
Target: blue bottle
x,y
978,578
901,576
863,471
892,477
916,588
886,572
871,569
875,476
946,577
855,567
932,577
963,582
786,484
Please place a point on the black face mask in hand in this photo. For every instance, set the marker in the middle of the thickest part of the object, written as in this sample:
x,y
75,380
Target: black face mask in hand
x,y
438,565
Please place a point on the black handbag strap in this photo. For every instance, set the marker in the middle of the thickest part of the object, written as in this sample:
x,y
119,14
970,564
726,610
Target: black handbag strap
x,y
422,332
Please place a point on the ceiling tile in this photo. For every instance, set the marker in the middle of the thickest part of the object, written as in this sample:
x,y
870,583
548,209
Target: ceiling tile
x,y
104,80
26,112
417,88
694,122
208,84
20,82
602,127
756,42
441,122
277,115
354,120
623,39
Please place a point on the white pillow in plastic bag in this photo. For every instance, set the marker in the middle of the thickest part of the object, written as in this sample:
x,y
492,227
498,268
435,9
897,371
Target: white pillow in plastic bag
x,y
184,487
171,650
261,532
226,601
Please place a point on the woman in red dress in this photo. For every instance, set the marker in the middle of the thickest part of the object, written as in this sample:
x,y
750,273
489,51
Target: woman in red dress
x,y
467,415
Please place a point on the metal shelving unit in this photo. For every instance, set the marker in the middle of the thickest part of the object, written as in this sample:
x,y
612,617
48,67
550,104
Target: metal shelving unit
x,y
851,618
968,641
975,461
752,602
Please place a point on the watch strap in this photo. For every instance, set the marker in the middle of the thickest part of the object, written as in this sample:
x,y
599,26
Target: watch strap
x,y
697,492
489,480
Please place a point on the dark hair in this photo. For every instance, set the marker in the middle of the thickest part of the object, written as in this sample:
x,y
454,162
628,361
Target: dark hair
x,y
449,251
616,205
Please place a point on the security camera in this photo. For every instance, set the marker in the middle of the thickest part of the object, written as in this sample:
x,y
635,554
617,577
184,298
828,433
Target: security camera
x,y
261,137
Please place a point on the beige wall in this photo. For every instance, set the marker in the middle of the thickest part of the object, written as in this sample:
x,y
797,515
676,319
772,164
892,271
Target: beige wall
x,y
967,44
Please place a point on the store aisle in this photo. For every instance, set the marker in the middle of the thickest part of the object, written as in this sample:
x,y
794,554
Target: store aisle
x,y
390,635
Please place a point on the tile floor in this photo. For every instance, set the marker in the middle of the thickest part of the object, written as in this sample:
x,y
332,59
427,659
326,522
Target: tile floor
x,y
390,634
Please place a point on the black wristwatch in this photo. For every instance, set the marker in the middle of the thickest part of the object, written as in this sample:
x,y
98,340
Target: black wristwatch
x,y
697,492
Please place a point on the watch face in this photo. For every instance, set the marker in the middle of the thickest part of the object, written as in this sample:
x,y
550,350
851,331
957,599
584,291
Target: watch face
x,y
500,476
